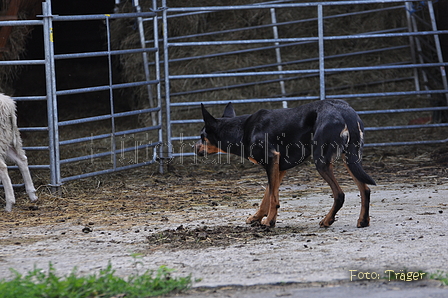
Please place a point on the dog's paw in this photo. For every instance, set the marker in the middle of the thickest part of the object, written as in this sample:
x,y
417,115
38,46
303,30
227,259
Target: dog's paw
x,y
253,219
362,223
268,223
325,223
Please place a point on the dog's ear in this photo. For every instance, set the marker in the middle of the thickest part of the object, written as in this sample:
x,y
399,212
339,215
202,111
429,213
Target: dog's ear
x,y
208,118
229,111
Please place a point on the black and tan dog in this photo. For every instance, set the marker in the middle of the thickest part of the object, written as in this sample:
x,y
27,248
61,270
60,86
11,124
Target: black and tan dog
x,y
281,139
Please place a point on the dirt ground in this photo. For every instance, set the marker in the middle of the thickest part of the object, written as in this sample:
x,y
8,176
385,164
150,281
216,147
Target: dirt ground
x,y
192,219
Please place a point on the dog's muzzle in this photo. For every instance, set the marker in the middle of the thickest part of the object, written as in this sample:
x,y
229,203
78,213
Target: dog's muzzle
x,y
199,149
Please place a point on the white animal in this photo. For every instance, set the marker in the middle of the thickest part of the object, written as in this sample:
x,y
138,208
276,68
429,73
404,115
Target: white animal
x,y
11,148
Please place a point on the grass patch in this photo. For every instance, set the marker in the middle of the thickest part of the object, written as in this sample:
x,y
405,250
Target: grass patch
x,y
440,275
37,283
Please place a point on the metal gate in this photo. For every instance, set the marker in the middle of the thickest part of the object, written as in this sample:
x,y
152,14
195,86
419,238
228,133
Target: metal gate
x,y
275,54
105,137
285,53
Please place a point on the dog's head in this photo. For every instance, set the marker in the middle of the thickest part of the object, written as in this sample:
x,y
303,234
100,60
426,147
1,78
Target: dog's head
x,y
210,142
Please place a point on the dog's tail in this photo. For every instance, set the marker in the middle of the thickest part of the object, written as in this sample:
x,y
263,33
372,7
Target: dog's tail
x,y
359,173
353,155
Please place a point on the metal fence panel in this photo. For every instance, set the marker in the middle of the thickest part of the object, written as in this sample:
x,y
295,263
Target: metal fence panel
x,y
81,145
336,37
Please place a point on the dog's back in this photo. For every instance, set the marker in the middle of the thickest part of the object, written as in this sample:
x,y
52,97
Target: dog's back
x,y
326,129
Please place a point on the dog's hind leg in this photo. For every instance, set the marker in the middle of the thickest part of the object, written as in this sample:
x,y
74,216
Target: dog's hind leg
x,y
364,218
326,171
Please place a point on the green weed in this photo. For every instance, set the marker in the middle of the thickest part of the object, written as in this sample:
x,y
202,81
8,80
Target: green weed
x,y
440,275
37,283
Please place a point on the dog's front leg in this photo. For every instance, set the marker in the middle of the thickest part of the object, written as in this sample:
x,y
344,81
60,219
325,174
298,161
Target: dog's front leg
x,y
275,177
262,210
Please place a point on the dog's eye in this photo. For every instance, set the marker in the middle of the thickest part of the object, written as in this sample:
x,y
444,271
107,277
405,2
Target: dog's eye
x,y
202,137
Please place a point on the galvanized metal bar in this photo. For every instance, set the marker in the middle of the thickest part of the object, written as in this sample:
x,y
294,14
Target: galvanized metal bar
x,y
137,112
438,48
84,120
108,171
420,55
412,42
141,31
92,17
22,62
52,111
31,167
13,23
31,98
400,127
36,148
320,34
407,110
108,153
104,88
287,5
430,142
385,67
306,71
111,96
278,55
137,130
34,129
86,139
167,80
237,101
300,39
106,117
103,53
158,78
188,138
382,94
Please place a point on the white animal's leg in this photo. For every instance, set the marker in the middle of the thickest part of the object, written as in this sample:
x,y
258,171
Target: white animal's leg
x,y
21,161
9,193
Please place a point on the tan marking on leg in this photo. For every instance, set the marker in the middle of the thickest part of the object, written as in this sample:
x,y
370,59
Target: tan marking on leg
x,y
262,210
270,202
274,184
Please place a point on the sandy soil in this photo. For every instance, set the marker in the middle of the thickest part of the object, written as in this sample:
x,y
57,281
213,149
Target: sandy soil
x,y
193,220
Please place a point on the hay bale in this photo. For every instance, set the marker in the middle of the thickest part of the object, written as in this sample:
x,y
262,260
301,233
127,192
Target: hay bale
x,y
16,44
